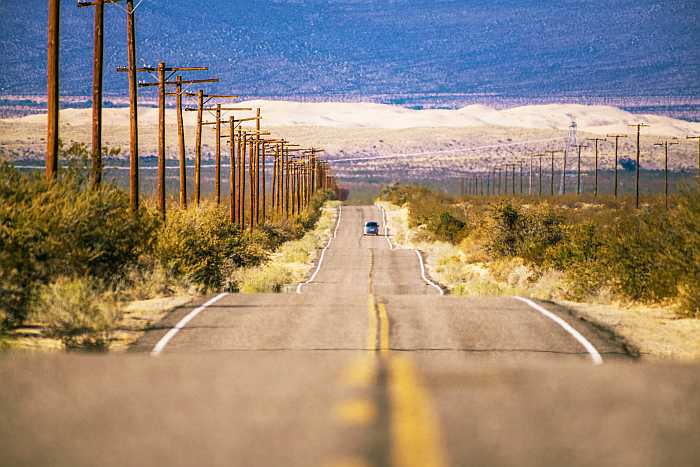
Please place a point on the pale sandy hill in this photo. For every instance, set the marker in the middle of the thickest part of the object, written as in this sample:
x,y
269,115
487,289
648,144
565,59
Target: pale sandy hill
x,y
596,119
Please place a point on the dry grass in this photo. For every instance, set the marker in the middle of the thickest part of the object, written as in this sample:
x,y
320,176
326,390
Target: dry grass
x,y
139,315
136,317
292,261
657,332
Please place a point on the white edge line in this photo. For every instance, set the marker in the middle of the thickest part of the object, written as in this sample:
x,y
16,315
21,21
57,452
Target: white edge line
x,y
422,273
160,346
595,355
323,253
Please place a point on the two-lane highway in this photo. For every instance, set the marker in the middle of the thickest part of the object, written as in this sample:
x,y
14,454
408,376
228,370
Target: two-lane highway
x,y
367,365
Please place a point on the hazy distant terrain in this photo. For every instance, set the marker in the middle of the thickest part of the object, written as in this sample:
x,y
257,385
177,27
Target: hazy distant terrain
x,y
375,141
410,52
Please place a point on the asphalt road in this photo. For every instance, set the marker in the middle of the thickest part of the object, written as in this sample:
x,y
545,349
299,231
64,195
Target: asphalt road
x,y
368,366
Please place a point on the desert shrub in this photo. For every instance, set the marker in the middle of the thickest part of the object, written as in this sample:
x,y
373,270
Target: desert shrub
x,y
74,311
633,258
202,246
63,229
506,230
540,231
683,251
449,228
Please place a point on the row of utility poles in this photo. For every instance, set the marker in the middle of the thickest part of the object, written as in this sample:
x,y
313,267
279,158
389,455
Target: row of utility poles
x,y
494,182
296,173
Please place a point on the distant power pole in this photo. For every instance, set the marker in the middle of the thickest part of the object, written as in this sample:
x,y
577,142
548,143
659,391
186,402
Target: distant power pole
x,y
529,189
539,157
617,146
596,140
639,127
697,138
579,147
552,153
53,78
570,147
665,145
563,173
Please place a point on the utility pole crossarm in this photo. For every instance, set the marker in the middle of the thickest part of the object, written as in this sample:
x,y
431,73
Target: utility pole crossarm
x,y
151,69
223,109
174,83
82,4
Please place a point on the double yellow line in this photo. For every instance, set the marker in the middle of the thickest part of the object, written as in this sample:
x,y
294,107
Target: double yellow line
x,y
414,426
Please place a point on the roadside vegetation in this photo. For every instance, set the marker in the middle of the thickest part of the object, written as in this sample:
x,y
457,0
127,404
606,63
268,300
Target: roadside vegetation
x,y
71,256
648,256
565,249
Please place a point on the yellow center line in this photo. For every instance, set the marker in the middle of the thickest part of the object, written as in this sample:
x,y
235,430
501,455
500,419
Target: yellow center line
x,y
414,426
383,330
372,324
415,432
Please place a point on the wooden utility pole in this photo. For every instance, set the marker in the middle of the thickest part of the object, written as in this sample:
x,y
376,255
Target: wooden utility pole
x,y
497,173
522,173
697,138
617,147
257,167
513,166
596,141
578,171
181,141
552,153
53,93
539,158
203,100
639,127
232,171
563,172
98,60
665,145
162,84
529,189
133,109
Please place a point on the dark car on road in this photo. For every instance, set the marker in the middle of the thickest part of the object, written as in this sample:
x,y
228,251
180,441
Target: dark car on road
x,y
371,228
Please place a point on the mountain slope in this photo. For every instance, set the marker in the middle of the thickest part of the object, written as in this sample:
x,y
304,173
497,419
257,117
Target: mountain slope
x,y
393,48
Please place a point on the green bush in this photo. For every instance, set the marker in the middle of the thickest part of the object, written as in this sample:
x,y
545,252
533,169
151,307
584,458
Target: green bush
x,y
684,251
506,226
65,228
74,311
203,247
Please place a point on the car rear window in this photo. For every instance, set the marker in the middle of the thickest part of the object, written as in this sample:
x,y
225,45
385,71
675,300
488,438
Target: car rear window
x,y
372,224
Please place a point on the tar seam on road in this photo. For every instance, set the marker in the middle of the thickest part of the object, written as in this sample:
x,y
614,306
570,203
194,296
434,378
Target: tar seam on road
x,y
182,323
386,228
323,253
592,351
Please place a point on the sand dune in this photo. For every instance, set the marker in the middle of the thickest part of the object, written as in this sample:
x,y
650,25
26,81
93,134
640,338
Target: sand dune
x,y
591,119
380,139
